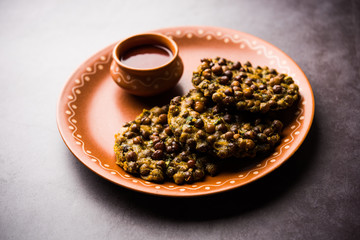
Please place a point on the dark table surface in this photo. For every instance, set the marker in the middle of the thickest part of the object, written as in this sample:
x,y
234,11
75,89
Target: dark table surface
x,y
46,193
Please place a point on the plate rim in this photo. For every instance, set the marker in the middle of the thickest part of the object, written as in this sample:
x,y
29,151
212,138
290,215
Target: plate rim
x,y
80,69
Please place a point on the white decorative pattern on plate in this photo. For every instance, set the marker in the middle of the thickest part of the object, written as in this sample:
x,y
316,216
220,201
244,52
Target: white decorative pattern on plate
x,y
243,42
85,77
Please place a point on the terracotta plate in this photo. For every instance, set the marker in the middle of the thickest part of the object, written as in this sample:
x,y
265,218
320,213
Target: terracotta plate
x,y
92,108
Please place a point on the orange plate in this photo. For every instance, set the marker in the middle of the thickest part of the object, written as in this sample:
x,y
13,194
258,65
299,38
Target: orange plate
x,y
92,108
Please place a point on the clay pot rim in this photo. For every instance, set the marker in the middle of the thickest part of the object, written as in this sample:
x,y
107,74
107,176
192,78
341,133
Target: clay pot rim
x,y
155,37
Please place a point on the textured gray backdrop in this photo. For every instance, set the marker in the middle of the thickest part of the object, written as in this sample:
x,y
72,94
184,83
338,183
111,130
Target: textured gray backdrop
x,y
45,193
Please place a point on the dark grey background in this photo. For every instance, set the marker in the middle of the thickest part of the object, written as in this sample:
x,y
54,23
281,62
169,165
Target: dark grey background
x,y
46,193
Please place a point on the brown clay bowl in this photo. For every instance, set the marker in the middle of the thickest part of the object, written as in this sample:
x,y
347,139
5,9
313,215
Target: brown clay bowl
x,y
146,81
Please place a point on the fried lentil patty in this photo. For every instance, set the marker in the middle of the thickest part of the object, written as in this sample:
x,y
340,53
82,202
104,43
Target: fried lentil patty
x,y
245,87
200,125
147,148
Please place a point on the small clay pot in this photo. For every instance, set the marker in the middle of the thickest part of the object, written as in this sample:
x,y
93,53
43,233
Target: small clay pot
x,y
146,81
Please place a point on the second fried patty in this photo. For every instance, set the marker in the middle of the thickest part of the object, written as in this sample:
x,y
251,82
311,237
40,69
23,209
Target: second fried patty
x,y
254,89
201,125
